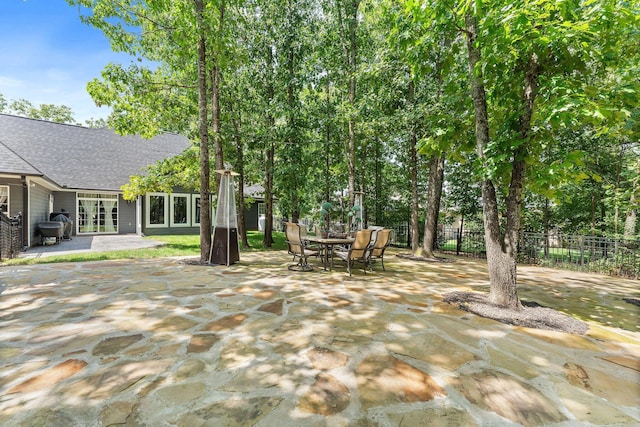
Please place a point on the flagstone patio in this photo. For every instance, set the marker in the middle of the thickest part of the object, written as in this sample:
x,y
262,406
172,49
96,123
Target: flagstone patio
x,y
167,343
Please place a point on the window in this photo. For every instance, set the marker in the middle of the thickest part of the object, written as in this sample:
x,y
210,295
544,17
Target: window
x,y
4,199
262,209
180,210
157,213
97,213
195,209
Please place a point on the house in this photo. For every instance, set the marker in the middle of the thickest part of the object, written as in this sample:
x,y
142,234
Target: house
x,y
48,167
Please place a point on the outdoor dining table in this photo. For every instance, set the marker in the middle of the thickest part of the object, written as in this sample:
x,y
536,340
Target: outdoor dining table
x,y
327,244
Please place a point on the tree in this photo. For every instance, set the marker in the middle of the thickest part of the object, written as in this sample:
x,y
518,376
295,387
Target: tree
x,y
203,130
347,10
178,38
515,50
48,112
634,201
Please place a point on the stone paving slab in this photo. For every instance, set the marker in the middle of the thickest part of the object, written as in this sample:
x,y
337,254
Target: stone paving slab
x,y
167,343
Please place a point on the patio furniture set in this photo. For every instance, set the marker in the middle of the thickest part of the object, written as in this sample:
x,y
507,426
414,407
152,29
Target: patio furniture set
x,y
364,247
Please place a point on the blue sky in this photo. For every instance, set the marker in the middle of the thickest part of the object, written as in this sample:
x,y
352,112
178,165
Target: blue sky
x,y
47,55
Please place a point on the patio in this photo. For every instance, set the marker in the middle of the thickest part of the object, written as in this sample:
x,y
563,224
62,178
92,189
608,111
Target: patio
x,y
163,342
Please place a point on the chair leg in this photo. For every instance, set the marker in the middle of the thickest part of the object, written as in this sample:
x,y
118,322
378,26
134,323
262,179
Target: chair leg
x,y
382,262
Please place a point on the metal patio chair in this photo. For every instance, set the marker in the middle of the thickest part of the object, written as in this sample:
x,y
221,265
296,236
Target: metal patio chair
x,y
297,248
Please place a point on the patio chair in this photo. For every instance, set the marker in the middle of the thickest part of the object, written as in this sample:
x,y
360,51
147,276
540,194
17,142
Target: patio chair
x,y
358,251
296,247
379,245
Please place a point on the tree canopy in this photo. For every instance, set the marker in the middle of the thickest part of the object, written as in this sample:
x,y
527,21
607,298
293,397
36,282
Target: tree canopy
x,y
320,99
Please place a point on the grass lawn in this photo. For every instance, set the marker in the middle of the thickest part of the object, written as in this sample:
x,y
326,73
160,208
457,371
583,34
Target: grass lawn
x,y
175,246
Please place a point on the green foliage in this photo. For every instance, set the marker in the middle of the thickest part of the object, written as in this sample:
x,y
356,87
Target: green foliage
x,y
48,112
285,84
177,172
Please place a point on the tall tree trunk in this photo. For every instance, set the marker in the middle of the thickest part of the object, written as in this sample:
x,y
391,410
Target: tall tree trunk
x,y
413,171
327,154
632,210
215,106
216,124
267,240
514,200
434,196
237,123
616,209
630,224
203,130
502,268
349,46
436,172
292,148
594,210
378,180
545,220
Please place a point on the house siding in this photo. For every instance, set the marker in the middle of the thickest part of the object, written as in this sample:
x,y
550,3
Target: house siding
x,y
158,231
39,209
126,216
66,200
16,199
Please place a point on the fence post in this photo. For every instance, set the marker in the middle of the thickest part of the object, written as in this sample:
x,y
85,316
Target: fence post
x,y
581,253
546,246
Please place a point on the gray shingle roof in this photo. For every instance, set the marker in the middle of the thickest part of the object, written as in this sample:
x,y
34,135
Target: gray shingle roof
x,y
11,163
78,157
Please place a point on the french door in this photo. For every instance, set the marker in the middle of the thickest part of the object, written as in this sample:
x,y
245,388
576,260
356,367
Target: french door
x,y
97,213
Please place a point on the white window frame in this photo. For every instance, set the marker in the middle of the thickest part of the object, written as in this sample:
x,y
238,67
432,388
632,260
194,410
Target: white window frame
x,y
195,219
147,211
8,202
187,198
98,198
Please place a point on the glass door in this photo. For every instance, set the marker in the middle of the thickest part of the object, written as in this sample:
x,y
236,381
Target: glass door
x,y
97,213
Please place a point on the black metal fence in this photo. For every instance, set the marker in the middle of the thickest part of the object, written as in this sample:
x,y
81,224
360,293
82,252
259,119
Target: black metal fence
x,y
616,257
10,236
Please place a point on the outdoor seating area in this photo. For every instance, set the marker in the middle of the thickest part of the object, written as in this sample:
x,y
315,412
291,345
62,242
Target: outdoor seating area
x,y
364,246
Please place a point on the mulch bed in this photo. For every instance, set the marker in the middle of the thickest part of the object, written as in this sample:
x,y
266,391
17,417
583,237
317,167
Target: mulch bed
x,y
532,315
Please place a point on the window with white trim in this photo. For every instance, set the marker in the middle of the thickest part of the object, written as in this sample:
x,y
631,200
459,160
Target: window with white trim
x,y
180,210
4,199
157,210
195,209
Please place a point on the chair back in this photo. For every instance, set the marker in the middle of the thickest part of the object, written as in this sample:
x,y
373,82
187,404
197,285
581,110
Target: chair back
x,y
381,242
303,233
360,247
294,243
